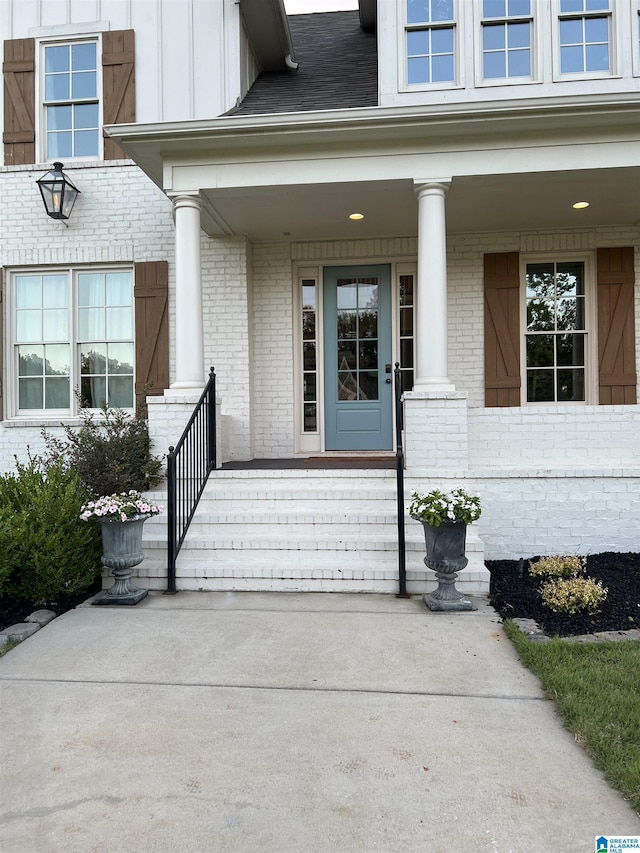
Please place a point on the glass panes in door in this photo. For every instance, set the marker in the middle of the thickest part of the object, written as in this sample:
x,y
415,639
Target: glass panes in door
x,y
357,338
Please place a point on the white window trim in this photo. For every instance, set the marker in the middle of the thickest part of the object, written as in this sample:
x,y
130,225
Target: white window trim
x,y
635,36
40,121
10,345
307,442
614,36
458,59
536,59
591,324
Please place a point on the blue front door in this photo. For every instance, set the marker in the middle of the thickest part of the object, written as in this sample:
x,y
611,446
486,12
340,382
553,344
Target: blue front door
x,y
357,346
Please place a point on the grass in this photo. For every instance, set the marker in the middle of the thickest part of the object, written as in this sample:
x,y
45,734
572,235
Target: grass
x,y
595,687
8,646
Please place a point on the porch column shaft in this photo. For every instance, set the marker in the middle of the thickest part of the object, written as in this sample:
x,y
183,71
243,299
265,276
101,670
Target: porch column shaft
x,y
431,332
189,322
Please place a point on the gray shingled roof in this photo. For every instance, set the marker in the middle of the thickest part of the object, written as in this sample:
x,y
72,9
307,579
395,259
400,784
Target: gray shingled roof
x,y
338,69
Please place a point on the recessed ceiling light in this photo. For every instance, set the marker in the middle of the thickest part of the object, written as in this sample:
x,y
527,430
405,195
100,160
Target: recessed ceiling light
x,y
356,216
580,205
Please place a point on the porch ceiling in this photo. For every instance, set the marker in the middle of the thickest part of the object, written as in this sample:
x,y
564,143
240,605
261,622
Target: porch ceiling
x,y
298,176
531,201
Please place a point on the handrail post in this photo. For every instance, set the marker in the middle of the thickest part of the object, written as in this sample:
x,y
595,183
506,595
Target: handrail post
x,y
171,521
211,422
402,552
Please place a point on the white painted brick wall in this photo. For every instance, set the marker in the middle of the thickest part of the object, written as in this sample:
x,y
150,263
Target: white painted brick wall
x,y
550,437
227,334
120,216
435,431
272,335
525,514
538,515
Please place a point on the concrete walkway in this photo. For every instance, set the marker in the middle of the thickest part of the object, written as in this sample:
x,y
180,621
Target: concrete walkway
x,y
290,723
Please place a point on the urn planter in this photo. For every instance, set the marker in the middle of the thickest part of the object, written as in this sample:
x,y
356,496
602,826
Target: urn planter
x,y
444,517
121,551
446,545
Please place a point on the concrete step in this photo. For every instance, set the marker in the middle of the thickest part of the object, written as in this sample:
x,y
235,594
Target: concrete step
x,y
300,530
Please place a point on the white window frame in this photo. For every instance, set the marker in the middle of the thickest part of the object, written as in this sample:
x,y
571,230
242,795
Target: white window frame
x,y
533,76
41,104
11,343
591,325
635,36
558,74
308,442
458,40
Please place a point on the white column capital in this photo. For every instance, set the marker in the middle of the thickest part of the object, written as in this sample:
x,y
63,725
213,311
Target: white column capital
x,y
181,200
431,186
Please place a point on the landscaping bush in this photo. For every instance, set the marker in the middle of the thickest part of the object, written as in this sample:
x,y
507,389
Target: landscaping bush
x,y
560,567
572,595
111,452
46,552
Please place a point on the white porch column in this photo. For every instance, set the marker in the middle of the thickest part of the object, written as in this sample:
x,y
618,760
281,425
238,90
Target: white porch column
x,y
189,322
431,372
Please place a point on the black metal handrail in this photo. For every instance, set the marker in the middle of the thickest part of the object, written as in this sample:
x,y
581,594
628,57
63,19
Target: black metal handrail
x,y
402,551
189,464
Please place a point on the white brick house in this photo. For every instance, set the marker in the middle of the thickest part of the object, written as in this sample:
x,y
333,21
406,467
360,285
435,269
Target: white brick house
x,y
463,133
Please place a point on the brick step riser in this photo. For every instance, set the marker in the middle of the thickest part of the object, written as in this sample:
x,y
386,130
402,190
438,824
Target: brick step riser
x,y
237,562
219,545
298,531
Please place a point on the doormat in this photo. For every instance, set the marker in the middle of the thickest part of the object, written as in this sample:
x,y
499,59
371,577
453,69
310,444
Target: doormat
x,y
313,462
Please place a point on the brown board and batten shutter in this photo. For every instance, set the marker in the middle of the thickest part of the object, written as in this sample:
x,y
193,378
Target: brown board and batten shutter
x,y
118,85
18,69
151,293
2,385
502,329
616,332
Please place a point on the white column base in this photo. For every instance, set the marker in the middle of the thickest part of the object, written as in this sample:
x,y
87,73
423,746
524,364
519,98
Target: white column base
x,y
436,384
179,389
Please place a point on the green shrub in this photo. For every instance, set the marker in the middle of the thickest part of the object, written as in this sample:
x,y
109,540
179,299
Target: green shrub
x,y
559,567
573,595
111,452
46,551
6,524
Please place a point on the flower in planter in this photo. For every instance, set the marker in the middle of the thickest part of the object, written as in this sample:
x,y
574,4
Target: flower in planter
x,y
123,507
437,507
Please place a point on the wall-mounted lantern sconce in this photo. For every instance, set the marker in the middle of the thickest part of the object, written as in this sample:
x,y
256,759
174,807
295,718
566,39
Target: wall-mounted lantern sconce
x,y
58,193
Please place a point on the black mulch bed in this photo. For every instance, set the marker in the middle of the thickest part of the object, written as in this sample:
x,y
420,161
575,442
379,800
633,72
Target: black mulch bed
x,y
12,613
514,594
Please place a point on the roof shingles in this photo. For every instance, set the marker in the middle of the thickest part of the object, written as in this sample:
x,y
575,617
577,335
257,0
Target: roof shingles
x,y
337,69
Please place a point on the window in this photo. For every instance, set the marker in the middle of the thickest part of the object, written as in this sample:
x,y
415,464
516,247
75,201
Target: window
x,y
73,329
309,355
507,33
71,107
406,331
556,332
585,36
430,41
